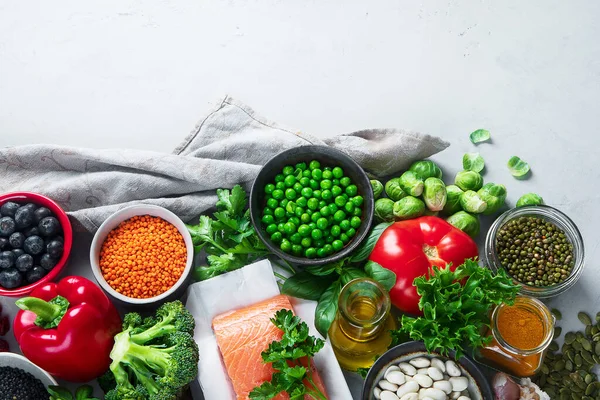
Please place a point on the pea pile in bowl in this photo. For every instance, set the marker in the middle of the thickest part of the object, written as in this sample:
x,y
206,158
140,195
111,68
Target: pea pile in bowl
x,y
311,210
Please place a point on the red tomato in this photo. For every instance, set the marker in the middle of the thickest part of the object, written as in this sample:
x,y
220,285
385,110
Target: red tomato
x,y
409,248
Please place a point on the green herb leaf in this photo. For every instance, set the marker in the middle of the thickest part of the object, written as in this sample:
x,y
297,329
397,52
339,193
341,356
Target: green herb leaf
x,y
380,274
517,167
59,393
84,392
480,135
366,248
473,162
351,273
323,270
306,286
327,308
363,372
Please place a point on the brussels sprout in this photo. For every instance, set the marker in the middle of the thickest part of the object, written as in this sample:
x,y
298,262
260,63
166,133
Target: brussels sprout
x,y
480,135
408,207
517,167
377,188
473,162
471,202
530,199
468,180
434,194
466,222
411,183
453,193
384,210
393,189
426,169
494,195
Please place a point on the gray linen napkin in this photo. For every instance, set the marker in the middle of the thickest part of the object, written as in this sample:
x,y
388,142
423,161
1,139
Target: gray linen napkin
x,y
227,147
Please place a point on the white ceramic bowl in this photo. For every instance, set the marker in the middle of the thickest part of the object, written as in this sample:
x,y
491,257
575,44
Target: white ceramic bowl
x,y
112,222
18,361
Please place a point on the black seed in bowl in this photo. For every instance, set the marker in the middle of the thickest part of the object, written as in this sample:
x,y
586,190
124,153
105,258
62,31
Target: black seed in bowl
x,y
16,384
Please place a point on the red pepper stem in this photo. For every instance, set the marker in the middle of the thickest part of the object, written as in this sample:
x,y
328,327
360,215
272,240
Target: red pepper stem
x,y
44,310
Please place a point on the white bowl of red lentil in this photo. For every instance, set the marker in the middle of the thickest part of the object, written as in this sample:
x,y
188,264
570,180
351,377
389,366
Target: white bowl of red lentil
x,y
142,255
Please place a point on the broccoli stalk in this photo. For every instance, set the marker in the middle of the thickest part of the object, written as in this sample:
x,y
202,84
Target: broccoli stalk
x,y
153,358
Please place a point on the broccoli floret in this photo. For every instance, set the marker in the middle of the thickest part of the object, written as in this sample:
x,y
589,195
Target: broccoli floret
x,y
153,358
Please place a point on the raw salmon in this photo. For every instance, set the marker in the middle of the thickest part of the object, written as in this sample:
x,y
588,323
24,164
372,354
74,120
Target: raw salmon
x,y
242,335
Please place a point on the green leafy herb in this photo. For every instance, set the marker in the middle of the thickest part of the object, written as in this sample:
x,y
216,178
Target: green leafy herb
x,y
352,273
306,286
228,238
327,308
473,162
362,372
291,359
384,276
480,135
84,392
455,314
517,167
366,248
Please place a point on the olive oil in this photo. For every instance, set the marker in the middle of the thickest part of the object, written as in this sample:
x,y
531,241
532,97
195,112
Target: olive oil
x,y
361,330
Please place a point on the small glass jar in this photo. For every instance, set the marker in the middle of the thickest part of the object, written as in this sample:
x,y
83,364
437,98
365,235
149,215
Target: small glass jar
x,y
509,358
549,214
361,329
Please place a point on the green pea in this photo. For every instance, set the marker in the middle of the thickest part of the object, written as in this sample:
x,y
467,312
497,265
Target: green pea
x,y
335,181
351,190
271,229
315,217
340,201
357,212
301,202
349,207
327,174
314,164
269,188
317,174
288,170
339,216
272,203
338,172
276,237
306,242
311,252
326,184
304,181
333,208
278,194
335,231
306,174
345,225
289,214
351,232
290,194
329,239
319,243
355,222
283,203
321,253
281,227
322,203
279,178
314,184
304,230
327,169
268,219
357,201
297,187
326,194
313,203
322,223
345,181
290,207
325,211
280,185
336,190
295,238
268,211
309,211
337,245
307,192
295,221
344,238
289,180
305,218
301,166
298,212
279,212
297,249
328,248
285,245
289,228
316,234
312,226
317,194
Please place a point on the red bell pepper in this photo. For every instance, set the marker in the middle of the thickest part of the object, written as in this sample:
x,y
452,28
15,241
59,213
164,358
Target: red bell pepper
x,y
409,248
67,328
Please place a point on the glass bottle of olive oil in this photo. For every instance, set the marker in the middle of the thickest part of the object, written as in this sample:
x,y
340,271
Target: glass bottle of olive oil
x,y
361,329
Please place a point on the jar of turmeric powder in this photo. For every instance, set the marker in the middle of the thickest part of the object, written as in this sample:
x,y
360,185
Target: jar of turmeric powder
x,y
521,334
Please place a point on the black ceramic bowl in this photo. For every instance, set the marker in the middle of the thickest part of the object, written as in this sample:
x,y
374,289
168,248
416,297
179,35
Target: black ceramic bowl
x,y
479,387
327,157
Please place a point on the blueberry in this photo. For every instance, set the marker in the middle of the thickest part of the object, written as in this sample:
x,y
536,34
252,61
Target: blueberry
x,y
7,259
59,238
3,243
54,249
9,208
7,226
10,278
49,226
24,216
47,262
18,252
24,263
16,240
31,231
41,213
35,274
33,245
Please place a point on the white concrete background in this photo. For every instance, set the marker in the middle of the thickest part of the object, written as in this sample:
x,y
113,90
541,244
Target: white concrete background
x,y
139,74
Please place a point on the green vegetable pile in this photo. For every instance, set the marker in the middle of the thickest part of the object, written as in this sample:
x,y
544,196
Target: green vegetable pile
x,y
291,359
84,392
456,307
153,358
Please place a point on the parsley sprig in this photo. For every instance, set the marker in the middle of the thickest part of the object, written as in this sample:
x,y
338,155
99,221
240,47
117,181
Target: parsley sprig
x,y
291,359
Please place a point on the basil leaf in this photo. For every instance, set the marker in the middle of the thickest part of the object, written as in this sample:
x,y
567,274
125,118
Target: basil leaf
x,y
380,274
327,308
351,273
366,248
306,286
322,270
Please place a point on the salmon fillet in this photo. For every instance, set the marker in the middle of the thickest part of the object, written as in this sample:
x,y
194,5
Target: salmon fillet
x,y
242,335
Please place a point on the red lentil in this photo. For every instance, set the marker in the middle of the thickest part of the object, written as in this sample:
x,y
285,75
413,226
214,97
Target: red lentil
x,y
143,257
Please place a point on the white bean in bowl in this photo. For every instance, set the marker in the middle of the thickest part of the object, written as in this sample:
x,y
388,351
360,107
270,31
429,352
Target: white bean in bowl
x,y
452,369
435,394
439,364
407,369
423,380
459,383
444,386
387,395
390,369
464,398
387,385
435,374
420,362
396,377
377,393
410,396
408,387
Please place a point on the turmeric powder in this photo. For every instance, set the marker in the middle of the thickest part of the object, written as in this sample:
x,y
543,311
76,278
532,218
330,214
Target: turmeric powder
x,y
520,327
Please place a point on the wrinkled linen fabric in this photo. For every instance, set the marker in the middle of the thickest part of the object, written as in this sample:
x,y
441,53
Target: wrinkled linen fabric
x,y
227,147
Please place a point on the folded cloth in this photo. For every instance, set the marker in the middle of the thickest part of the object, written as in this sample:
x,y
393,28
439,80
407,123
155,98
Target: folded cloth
x,y
226,148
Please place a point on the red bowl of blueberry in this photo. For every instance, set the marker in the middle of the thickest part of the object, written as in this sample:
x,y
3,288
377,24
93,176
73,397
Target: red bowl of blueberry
x,y
35,242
